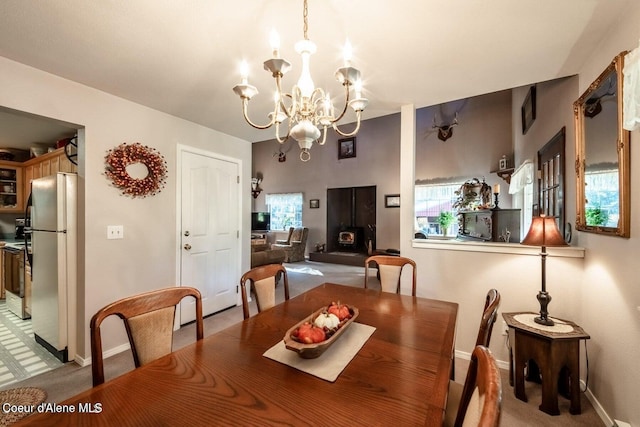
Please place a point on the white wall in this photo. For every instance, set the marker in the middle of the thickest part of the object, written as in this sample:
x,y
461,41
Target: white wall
x,y
482,136
146,258
600,292
610,293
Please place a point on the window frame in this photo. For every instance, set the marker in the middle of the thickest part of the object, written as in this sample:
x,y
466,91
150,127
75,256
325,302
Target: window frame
x,y
274,200
432,220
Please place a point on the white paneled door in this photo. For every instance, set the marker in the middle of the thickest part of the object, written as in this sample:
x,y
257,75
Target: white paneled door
x,y
210,246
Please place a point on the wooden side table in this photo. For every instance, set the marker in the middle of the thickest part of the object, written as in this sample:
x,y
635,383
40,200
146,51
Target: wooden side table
x,y
554,350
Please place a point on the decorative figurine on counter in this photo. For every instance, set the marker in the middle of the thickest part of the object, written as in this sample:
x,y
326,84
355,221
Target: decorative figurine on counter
x,y
505,236
485,193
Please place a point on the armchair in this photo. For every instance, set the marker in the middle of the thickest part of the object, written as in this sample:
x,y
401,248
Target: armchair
x,y
295,244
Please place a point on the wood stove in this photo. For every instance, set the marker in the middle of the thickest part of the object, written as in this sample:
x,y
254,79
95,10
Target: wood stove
x,y
350,238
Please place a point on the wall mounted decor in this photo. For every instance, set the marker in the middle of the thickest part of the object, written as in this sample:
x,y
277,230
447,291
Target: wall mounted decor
x,y
503,163
255,186
528,110
346,148
392,201
314,203
119,158
603,165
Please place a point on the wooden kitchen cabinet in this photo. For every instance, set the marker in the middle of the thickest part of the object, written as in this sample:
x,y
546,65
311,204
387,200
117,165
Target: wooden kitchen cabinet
x,y
45,165
11,187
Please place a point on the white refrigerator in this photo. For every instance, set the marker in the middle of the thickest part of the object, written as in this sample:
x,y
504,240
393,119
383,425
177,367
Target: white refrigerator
x,y
53,260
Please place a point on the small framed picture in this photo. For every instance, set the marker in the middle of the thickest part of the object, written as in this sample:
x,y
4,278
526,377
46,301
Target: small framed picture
x,y
392,201
528,110
314,203
346,148
503,163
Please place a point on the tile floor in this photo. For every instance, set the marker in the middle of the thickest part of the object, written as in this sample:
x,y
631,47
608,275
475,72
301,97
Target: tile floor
x,y
20,356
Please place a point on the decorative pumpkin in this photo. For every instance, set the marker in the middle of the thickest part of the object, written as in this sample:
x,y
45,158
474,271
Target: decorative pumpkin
x,y
327,320
310,334
340,310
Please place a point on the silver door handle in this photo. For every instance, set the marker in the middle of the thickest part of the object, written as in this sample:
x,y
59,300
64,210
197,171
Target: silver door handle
x,y
187,247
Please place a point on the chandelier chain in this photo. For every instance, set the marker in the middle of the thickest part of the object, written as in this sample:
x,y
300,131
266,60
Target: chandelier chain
x,y
305,14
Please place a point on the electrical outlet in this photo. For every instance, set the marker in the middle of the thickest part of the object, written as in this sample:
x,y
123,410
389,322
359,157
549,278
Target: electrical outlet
x,y
115,232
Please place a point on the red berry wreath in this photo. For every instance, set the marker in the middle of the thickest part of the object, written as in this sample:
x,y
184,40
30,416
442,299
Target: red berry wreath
x,y
117,160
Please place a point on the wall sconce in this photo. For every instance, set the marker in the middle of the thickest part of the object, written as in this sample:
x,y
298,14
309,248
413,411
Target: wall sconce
x,y
255,187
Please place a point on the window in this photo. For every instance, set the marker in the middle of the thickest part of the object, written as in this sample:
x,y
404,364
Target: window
x,y
601,194
285,209
430,200
551,179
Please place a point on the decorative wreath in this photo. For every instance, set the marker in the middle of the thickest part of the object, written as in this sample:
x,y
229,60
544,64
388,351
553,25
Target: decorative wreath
x,y
117,160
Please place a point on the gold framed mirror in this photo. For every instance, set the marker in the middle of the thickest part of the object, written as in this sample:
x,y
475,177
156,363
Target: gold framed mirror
x,y
602,156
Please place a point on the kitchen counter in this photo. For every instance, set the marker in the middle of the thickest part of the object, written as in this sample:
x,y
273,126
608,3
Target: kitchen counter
x,y
13,243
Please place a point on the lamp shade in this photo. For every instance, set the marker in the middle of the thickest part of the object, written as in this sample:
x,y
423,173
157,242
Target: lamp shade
x,y
544,232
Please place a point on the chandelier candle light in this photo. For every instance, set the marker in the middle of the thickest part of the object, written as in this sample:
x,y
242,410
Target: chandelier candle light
x,y
309,107
544,232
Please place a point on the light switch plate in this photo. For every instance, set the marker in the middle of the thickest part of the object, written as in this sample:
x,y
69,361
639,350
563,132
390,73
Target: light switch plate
x,y
115,232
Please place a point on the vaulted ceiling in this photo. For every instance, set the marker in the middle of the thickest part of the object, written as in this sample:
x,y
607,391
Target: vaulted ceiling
x,y
182,57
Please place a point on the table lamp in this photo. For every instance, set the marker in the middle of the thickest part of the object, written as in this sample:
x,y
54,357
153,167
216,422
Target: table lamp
x,y
544,232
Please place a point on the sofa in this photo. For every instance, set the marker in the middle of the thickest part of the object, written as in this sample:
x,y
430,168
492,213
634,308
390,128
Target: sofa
x,y
294,245
262,256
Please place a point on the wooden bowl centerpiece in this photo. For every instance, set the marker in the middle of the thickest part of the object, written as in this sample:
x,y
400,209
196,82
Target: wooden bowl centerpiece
x,y
310,350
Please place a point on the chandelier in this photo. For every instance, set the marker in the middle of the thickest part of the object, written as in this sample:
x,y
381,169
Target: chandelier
x,y
306,108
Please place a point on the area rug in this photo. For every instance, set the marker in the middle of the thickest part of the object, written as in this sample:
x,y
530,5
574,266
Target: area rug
x,y
22,402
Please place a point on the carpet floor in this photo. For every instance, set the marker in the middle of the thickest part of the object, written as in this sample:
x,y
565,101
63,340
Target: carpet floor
x,y
71,379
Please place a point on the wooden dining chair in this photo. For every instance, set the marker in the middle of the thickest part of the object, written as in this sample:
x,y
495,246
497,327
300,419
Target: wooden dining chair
x,y
481,400
263,280
489,316
488,319
389,272
148,319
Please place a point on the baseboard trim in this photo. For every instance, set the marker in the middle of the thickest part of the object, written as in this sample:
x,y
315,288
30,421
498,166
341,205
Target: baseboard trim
x,y
596,405
112,352
583,386
467,356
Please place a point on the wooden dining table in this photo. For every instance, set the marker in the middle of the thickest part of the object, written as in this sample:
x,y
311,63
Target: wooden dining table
x,y
400,376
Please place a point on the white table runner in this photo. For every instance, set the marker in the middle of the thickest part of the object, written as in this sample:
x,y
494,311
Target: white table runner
x,y
333,361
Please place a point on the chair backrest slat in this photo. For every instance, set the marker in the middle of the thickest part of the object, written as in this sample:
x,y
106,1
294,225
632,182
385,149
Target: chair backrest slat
x,y
152,334
489,316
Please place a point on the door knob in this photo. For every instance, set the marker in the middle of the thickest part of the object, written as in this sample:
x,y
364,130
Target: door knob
x,y
187,246
186,233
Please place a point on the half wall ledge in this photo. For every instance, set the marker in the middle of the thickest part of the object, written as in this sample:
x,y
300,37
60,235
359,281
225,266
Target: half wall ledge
x,y
496,247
